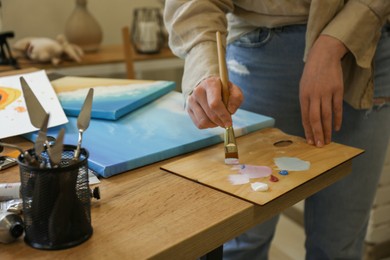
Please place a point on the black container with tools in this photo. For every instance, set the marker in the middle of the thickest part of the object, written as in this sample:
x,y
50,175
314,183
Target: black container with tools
x,y
54,182
56,199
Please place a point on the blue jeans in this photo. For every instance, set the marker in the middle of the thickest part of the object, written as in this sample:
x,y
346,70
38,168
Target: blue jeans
x,y
267,65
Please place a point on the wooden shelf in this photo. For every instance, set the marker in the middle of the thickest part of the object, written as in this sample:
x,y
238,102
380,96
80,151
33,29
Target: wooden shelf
x,y
105,55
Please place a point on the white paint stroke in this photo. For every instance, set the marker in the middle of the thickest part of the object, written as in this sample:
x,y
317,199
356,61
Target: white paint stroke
x,y
237,67
259,186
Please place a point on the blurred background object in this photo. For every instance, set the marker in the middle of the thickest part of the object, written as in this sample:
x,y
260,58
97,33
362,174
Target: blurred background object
x,y
83,29
147,33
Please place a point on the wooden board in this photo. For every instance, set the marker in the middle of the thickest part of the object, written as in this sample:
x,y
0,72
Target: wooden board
x,y
260,148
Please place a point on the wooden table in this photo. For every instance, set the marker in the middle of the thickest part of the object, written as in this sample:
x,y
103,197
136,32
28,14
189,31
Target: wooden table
x,y
150,213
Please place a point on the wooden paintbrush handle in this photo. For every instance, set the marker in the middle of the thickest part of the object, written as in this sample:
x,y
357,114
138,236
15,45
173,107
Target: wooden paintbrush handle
x,y
223,73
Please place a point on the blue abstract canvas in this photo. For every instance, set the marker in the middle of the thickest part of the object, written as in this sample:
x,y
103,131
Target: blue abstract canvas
x,y
114,101
157,131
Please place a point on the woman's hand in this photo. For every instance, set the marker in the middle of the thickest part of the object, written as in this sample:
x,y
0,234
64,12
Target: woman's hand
x,y
321,90
205,105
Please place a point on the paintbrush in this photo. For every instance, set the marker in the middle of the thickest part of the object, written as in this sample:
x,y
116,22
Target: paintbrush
x,y
231,150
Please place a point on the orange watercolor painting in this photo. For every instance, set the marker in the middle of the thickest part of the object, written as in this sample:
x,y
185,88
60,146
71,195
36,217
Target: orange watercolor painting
x,y
13,109
7,96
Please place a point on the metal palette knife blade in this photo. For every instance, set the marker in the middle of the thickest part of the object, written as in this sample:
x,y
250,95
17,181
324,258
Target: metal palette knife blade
x,y
55,152
41,138
83,120
34,108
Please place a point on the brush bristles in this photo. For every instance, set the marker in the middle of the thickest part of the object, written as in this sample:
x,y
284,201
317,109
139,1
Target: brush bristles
x,y
232,160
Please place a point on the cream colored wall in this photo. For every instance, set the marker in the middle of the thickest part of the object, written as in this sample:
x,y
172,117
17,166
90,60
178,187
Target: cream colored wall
x,y
47,18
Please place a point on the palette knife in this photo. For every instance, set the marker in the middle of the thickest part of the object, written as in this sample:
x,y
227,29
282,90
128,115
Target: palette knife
x,y
83,120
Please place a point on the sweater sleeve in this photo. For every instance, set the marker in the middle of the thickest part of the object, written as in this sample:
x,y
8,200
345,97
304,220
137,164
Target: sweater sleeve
x,y
191,27
358,25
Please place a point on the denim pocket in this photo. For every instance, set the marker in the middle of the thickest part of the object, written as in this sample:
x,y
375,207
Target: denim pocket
x,y
254,39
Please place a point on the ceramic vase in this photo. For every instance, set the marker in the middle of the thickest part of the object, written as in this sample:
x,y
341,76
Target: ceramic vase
x,y
83,29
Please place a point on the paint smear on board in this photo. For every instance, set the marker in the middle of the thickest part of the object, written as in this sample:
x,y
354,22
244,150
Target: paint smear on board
x,y
255,171
238,179
247,172
291,164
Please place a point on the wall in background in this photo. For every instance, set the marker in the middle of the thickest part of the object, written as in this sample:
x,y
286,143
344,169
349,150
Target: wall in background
x,y
47,18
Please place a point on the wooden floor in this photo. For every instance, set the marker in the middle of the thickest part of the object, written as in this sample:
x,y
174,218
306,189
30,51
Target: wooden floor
x,y
288,243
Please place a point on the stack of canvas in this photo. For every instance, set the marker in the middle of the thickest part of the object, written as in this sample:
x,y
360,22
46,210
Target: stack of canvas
x,y
145,131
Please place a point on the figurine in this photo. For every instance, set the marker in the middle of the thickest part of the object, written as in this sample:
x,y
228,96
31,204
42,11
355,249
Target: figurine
x,y
43,49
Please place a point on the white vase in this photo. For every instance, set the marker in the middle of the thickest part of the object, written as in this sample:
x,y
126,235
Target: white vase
x,y
83,29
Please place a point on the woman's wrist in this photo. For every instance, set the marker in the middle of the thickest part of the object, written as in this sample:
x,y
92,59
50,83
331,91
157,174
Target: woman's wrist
x,y
332,46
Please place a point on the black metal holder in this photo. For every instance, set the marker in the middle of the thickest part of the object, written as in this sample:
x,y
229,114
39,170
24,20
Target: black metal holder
x,y
56,201
6,57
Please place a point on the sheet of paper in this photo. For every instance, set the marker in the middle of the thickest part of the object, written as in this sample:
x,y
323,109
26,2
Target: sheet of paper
x,y
14,119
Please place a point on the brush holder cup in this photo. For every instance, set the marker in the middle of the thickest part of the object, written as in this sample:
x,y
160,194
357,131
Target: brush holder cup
x,y
56,200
